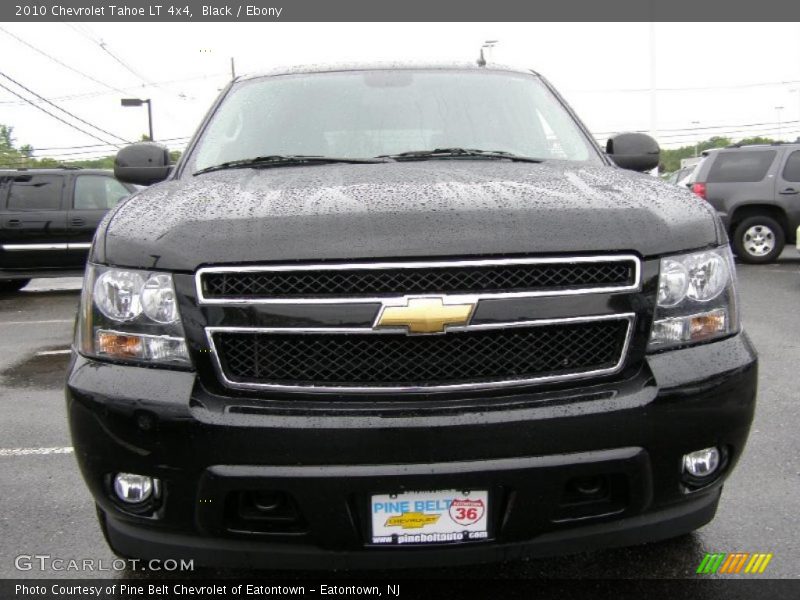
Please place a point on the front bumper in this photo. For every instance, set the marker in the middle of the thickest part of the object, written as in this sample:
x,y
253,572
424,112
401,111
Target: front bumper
x,y
524,448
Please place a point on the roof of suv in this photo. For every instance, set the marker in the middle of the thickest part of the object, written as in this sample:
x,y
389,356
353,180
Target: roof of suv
x,y
375,66
751,146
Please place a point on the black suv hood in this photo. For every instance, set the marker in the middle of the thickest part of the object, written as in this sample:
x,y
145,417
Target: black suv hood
x,y
403,209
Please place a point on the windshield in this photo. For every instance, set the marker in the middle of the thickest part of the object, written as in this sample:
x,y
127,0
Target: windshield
x,y
363,114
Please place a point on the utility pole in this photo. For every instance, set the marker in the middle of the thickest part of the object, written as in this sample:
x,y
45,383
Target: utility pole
x,y
653,89
778,110
796,91
653,81
233,69
696,140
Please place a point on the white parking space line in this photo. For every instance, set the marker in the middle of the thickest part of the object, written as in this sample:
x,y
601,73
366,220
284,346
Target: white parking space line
x,y
50,352
35,451
37,322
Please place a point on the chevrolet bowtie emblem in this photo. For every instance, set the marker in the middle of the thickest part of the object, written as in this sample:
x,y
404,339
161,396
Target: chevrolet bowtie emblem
x,y
425,315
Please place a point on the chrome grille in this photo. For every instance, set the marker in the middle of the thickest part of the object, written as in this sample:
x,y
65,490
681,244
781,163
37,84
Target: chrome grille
x,y
387,361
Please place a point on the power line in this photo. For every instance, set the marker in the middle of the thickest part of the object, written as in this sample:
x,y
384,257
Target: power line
x,y
74,116
105,49
63,64
56,116
741,134
94,153
772,127
702,128
687,88
124,90
185,137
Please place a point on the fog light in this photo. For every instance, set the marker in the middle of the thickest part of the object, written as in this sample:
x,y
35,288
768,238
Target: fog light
x,y
701,463
133,489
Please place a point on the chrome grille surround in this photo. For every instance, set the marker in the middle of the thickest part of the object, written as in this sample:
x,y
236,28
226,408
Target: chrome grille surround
x,y
402,299
634,285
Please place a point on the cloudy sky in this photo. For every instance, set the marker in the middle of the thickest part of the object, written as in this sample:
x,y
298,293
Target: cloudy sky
x,y
710,78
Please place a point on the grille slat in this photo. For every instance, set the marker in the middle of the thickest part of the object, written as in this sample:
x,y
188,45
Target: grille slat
x,y
453,279
396,360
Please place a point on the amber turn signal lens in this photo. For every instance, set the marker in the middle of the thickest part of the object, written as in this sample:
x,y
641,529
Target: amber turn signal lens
x,y
123,346
707,325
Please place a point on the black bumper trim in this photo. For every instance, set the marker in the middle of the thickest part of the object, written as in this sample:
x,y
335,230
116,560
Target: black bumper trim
x,y
666,523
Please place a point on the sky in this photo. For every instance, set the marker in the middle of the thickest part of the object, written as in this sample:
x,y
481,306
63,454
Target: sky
x,y
710,79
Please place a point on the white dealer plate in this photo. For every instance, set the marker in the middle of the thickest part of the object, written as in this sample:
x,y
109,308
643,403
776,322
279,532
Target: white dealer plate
x,y
430,517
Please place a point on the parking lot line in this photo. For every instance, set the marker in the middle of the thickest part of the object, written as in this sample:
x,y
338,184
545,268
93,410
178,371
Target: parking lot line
x,y
37,322
50,352
35,451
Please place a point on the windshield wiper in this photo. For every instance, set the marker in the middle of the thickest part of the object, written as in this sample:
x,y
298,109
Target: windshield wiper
x,y
280,160
458,153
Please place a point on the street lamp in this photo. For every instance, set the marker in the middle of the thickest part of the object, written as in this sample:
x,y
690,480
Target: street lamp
x,y
487,45
138,102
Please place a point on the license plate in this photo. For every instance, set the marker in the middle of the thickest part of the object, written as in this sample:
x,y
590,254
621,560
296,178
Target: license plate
x,y
434,517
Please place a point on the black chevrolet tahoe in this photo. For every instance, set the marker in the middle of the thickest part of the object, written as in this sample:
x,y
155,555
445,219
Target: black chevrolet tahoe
x,y
404,316
48,218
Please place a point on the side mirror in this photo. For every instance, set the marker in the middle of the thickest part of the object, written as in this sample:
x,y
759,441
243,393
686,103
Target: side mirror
x,y
143,163
634,151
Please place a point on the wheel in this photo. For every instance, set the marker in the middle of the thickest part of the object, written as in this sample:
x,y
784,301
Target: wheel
x,y
10,286
758,240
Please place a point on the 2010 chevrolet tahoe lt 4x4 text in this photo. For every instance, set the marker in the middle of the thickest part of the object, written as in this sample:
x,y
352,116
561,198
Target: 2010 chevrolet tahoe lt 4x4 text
x,y
395,316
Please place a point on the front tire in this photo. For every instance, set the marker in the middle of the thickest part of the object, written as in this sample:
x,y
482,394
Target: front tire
x,y
758,240
9,286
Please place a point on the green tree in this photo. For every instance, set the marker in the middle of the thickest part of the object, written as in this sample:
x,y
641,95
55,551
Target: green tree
x,y
671,158
756,140
6,138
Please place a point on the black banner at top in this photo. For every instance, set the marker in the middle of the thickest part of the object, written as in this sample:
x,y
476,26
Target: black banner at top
x,y
398,10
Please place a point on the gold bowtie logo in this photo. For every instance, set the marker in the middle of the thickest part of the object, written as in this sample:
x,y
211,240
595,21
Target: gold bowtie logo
x,y
425,315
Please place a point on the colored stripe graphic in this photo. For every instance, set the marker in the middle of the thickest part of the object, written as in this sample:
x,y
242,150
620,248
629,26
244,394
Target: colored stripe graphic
x,y
711,562
758,563
733,563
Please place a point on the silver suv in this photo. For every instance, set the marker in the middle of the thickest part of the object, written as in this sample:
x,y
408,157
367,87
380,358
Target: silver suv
x,y
756,191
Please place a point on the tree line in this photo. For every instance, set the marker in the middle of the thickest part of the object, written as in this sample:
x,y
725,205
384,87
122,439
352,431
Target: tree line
x,y
21,157
12,156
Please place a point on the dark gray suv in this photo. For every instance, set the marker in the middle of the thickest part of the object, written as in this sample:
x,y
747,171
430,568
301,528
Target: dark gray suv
x,y
756,191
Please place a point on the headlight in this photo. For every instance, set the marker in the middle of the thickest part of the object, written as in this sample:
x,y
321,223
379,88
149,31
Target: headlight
x,y
131,315
696,299
118,294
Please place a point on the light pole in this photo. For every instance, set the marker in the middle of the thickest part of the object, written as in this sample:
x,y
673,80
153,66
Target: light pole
x,y
138,102
487,45
696,139
778,110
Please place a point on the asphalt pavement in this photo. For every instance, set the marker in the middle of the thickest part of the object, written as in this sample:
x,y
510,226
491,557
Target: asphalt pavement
x,y
46,509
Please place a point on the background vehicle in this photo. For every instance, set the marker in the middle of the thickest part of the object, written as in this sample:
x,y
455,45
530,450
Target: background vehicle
x,y
756,191
681,177
48,218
